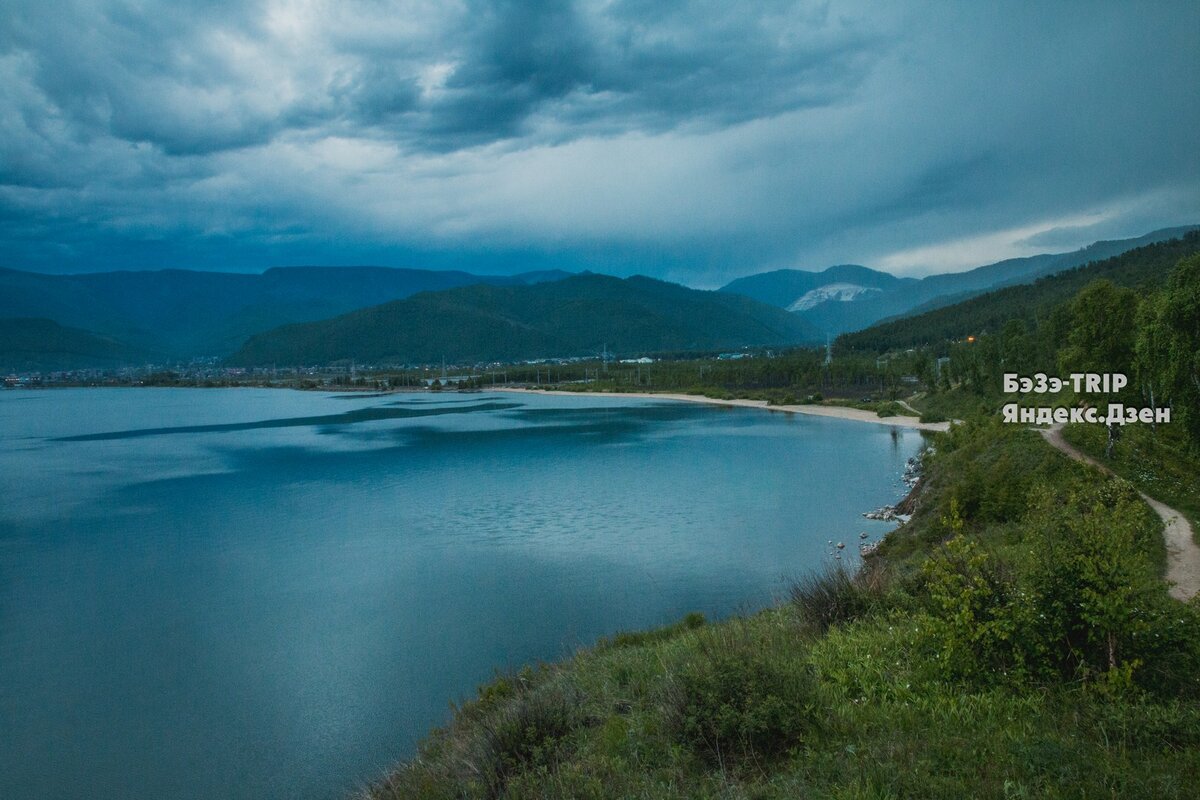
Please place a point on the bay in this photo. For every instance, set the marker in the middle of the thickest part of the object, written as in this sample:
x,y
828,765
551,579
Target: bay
x,y
246,593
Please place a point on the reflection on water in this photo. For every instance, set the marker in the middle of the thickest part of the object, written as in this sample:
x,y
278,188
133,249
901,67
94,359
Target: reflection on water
x,y
270,594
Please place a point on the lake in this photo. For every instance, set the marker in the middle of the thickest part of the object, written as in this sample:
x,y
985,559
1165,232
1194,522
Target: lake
x,y
244,593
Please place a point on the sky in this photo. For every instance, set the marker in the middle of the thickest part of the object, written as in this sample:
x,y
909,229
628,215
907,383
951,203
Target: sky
x,y
696,142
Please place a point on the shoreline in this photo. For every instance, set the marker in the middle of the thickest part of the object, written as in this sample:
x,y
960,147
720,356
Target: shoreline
x,y
837,412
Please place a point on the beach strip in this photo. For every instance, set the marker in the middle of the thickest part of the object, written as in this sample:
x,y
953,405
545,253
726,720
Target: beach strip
x,y
838,412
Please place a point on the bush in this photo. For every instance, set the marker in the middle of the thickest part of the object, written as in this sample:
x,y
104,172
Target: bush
x,y
520,723
741,699
523,732
983,625
835,597
1094,580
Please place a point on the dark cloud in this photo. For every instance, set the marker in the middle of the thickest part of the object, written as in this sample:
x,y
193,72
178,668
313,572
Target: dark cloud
x,y
649,67
694,140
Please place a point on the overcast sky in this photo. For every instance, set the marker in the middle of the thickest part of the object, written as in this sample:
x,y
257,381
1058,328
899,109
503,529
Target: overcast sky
x,y
691,141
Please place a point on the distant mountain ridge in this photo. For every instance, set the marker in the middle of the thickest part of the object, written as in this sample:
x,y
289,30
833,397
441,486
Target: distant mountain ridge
x,y
184,314
42,345
172,315
577,316
1143,268
785,287
850,297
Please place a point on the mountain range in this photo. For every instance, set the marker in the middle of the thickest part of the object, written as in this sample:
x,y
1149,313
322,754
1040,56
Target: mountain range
x,y
850,297
1144,268
115,318
181,314
583,315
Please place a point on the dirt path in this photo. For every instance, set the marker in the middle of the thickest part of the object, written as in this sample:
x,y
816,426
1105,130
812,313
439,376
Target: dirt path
x,y
1183,555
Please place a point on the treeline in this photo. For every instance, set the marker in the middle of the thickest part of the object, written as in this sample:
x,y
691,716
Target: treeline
x,y
1144,269
1150,333
787,376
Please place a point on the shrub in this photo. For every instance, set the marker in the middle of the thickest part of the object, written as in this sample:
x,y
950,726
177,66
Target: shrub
x,y
1094,580
519,724
522,732
983,625
834,596
741,699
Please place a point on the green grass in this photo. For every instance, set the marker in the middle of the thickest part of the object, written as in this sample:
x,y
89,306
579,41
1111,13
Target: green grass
x,y
1158,463
856,713
952,404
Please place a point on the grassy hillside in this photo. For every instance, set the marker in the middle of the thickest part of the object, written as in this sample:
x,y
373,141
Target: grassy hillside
x,y
573,317
31,345
1144,268
1158,462
1013,640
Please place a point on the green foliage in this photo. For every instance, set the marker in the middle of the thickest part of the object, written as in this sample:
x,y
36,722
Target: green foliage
x,y
1152,350
737,701
690,622
1158,461
1101,319
1177,323
833,596
578,316
1094,583
1143,268
982,624
981,475
1049,570
520,723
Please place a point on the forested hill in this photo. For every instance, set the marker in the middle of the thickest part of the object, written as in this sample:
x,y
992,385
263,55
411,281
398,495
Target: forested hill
x,y
850,298
1143,268
42,344
577,316
182,313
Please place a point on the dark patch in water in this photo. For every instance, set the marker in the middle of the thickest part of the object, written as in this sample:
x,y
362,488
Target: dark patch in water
x,y
429,400
347,418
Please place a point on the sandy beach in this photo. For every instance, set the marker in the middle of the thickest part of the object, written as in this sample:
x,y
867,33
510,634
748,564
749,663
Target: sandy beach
x,y
839,412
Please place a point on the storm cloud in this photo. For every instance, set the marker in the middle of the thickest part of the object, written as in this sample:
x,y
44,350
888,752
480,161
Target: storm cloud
x,y
695,141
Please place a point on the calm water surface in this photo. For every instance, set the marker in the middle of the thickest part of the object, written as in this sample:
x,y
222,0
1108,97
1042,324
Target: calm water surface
x,y
271,594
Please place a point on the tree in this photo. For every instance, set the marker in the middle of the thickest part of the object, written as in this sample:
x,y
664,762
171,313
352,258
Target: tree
x,y
1180,366
1094,585
1100,336
1101,326
1151,350
1016,347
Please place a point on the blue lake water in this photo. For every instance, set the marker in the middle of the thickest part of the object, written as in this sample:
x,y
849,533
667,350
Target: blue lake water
x,y
272,594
